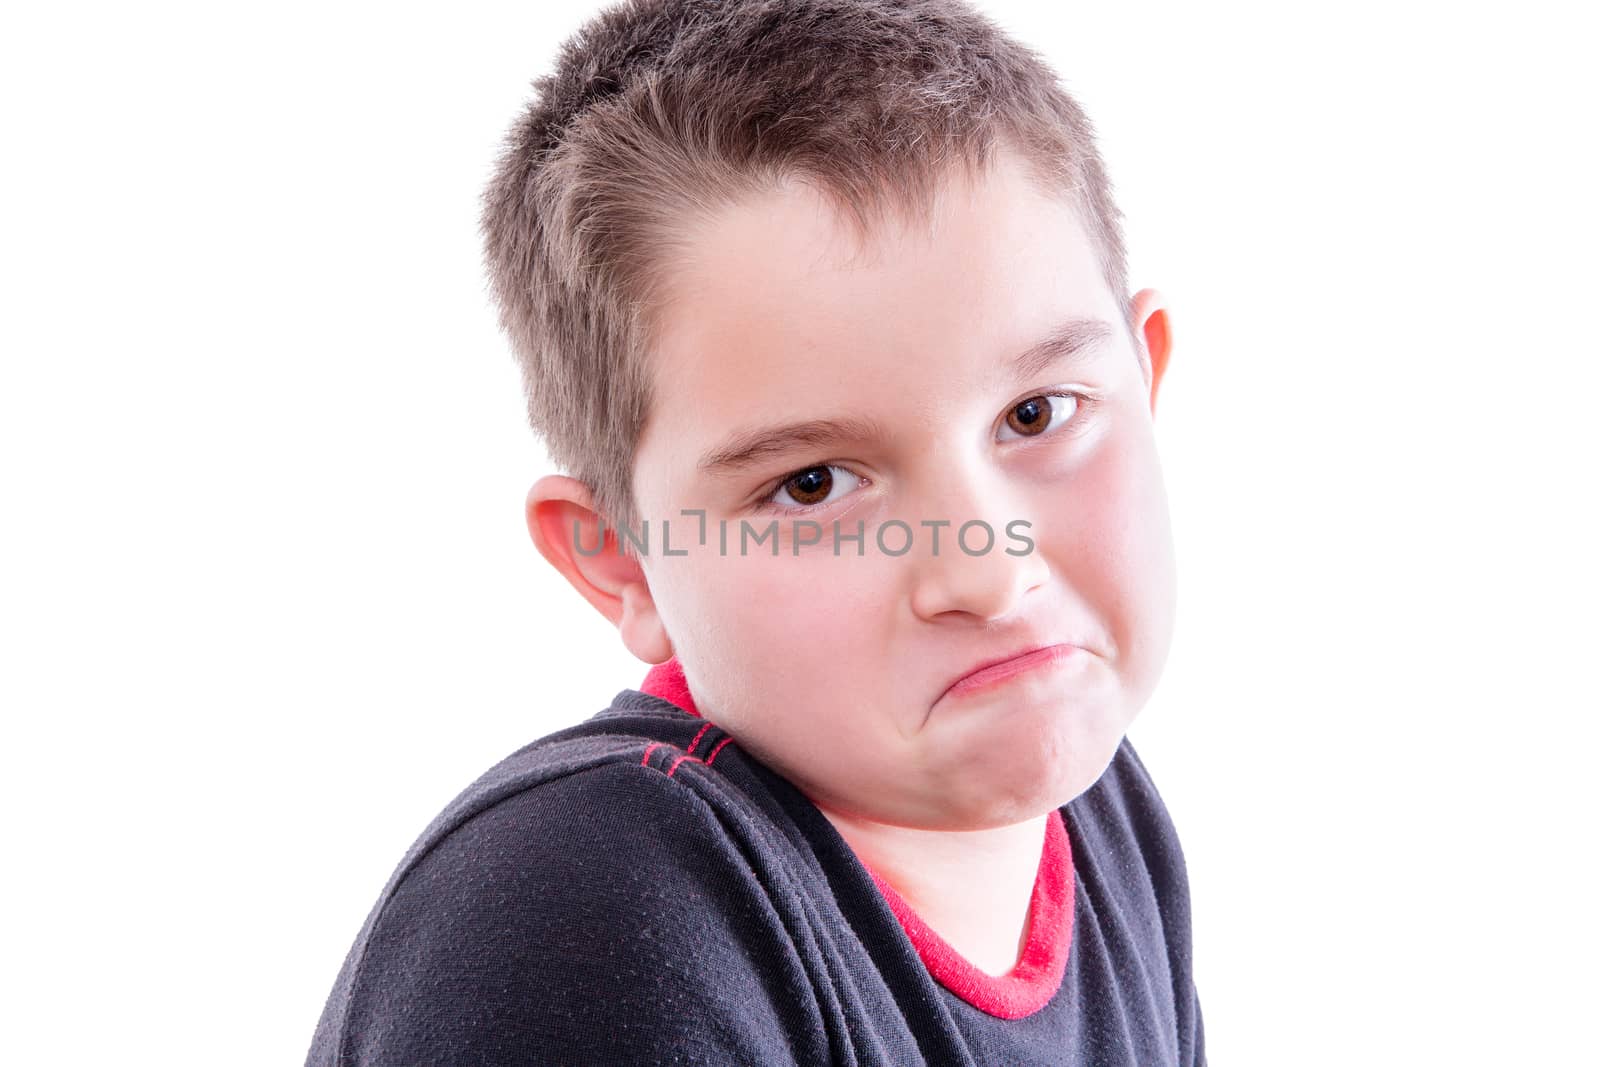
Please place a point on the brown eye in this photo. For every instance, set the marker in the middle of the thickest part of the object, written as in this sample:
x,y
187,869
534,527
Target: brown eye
x,y
1037,414
811,489
1031,416
810,486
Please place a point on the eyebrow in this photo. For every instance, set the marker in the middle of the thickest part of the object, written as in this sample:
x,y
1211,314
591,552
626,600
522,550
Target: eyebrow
x,y
1070,340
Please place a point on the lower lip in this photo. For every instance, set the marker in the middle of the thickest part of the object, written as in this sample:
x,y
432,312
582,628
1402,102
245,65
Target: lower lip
x,y
1011,668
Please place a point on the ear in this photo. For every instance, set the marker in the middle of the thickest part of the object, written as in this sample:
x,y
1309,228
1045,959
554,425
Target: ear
x,y
583,546
1153,324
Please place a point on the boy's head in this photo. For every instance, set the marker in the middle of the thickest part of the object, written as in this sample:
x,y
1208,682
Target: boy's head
x,y
719,219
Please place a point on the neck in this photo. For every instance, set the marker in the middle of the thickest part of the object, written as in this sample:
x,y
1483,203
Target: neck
x,y
971,887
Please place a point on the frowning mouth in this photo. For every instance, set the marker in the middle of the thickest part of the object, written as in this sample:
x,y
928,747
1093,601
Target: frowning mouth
x,y
997,672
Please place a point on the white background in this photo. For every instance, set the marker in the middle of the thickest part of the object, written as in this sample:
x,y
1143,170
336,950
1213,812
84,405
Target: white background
x,y
268,601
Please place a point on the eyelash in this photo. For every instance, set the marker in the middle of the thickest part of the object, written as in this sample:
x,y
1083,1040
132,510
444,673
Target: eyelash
x,y
765,506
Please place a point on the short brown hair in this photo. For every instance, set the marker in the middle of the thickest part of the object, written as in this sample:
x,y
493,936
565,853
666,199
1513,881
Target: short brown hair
x,y
660,111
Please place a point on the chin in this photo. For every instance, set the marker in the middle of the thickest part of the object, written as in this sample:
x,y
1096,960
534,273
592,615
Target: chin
x,y
1085,768
1074,762
1005,792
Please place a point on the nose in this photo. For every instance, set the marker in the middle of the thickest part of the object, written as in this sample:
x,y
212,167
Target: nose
x,y
974,574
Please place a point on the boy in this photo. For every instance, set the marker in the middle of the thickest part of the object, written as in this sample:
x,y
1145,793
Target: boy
x,y
814,299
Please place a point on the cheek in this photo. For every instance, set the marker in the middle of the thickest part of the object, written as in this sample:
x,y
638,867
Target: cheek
x,y
1114,548
784,635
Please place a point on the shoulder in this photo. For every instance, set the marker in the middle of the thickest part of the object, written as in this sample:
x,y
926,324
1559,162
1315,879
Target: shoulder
x,y
1125,845
1127,854
1124,810
601,914
615,834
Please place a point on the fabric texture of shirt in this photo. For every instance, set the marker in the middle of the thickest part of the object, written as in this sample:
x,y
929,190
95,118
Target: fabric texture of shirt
x,y
637,889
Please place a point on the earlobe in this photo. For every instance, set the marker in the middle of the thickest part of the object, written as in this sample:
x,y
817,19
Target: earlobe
x,y
1155,328
641,627
576,540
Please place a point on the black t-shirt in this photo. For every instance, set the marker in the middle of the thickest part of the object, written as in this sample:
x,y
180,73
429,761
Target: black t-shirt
x,y
637,889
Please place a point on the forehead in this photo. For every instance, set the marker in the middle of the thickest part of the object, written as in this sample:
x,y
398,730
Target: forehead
x,y
776,309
